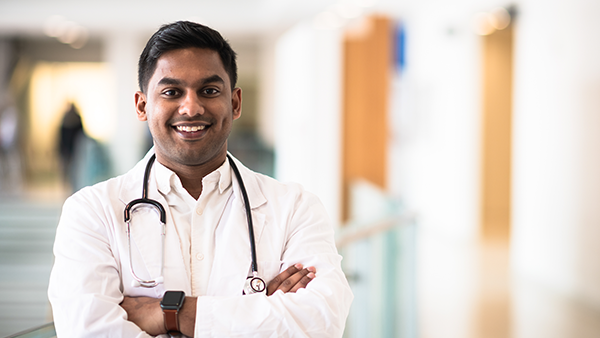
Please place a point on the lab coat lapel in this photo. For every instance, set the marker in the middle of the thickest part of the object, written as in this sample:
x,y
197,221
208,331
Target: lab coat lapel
x,y
256,197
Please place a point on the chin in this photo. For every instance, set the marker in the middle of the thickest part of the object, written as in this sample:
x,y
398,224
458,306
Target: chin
x,y
197,158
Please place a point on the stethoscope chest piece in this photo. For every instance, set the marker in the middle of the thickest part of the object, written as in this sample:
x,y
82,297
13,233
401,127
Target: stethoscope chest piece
x,y
254,284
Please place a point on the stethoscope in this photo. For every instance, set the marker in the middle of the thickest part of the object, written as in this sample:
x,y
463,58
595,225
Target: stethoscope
x,y
254,284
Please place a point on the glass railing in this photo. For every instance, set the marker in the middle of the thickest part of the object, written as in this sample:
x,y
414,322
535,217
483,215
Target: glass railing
x,y
44,331
378,247
379,261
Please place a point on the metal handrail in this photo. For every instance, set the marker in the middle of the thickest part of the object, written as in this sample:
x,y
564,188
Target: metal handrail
x,y
42,331
354,234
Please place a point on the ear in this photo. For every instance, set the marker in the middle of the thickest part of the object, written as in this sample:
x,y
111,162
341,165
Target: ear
x,y
236,103
140,106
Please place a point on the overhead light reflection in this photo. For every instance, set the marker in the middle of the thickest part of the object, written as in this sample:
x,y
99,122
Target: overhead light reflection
x,y
65,31
486,23
342,13
500,18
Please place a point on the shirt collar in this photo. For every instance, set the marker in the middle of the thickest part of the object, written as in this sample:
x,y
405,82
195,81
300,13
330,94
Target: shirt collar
x,y
167,180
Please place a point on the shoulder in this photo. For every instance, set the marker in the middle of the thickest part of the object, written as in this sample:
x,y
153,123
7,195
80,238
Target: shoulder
x,y
281,194
102,189
293,207
103,198
113,188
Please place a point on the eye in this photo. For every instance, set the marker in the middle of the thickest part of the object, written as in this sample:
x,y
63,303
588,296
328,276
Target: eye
x,y
210,91
170,92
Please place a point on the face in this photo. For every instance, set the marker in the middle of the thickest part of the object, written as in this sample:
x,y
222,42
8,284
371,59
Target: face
x,y
190,108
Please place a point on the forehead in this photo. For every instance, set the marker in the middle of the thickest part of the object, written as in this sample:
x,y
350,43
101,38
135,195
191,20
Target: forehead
x,y
189,64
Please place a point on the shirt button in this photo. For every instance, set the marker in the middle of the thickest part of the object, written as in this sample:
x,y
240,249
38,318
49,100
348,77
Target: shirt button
x,y
199,211
200,256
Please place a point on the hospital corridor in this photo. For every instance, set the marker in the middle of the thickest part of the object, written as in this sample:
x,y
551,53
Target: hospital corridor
x,y
454,145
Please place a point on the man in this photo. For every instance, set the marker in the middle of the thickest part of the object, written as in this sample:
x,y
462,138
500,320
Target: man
x,y
187,76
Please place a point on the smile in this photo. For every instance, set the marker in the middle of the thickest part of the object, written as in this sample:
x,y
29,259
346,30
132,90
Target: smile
x,y
190,129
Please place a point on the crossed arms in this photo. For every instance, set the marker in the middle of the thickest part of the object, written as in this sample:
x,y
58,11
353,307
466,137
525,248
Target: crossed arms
x,y
146,313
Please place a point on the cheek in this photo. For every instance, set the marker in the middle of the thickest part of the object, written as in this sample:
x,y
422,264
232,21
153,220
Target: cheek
x,y
156,116
155,125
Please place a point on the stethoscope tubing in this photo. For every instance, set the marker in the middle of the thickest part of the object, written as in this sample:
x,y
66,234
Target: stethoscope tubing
x,y
163,217
145,199
248,213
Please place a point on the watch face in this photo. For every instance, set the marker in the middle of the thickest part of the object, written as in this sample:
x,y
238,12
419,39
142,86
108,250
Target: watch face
x,y
172,300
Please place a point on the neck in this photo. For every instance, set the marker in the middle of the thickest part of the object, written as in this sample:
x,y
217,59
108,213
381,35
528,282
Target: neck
x,y
191,175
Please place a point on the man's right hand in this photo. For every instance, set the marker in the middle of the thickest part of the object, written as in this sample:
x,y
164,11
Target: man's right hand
x,y
293,278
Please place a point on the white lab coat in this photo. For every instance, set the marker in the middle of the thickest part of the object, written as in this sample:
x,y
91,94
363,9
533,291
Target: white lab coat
x,y
91,273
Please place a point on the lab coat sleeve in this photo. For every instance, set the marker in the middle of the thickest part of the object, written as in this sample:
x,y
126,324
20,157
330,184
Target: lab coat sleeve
x,y
85,288
319,310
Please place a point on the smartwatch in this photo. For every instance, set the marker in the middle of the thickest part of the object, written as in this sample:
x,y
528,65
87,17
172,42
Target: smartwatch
x,y
171,303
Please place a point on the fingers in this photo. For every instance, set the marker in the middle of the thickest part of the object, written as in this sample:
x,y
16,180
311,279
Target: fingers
x,y
304,280
286,274
292,279
277,281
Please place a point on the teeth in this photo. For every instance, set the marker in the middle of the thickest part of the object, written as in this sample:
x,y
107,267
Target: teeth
x,y
190,129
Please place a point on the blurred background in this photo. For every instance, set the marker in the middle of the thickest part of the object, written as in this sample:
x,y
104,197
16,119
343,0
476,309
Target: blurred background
x,y
456,145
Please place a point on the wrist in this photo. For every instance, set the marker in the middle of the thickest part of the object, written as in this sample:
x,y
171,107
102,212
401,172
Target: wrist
x,y
187,316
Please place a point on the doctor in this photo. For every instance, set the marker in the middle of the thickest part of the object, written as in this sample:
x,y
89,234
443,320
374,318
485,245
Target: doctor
x,y
187,76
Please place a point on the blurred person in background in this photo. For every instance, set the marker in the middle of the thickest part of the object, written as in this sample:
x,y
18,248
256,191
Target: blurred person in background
x,y
240,254
71,135
83,159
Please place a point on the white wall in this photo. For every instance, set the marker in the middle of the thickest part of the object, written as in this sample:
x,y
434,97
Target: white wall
x,y
307,111
122,51
435,122
556,186
434,160
266,83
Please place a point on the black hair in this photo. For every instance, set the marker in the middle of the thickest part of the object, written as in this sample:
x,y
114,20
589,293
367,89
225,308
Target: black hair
x,y
180,35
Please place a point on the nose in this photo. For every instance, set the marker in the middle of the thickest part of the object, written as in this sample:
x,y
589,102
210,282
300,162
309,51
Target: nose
x,y
191,105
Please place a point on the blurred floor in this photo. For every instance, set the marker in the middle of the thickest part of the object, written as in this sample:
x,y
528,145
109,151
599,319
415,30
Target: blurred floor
x,y
466,291
27,231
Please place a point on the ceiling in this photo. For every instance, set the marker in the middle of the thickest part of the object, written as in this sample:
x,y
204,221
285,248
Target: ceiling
x,y
231,17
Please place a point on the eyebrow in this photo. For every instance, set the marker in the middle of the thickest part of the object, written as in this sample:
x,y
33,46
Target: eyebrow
x,y
213,79
169,81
